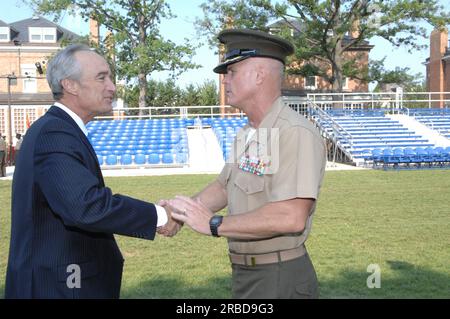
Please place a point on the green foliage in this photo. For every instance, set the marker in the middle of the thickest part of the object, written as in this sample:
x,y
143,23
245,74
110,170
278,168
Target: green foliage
x,y
167,93
320,29
400,76
398,220
136,42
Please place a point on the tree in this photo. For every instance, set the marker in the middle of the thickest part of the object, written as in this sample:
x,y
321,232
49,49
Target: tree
x,y
208,93
321,30
400,76
138,47
190,96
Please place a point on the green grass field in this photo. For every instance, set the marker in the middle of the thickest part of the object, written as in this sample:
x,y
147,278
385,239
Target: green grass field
x,y
398,220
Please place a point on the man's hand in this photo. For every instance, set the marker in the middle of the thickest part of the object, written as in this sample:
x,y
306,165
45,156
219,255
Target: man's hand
x,y
172,227
191,212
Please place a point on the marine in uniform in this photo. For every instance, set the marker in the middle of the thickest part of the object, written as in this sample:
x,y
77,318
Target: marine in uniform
x,y
270,183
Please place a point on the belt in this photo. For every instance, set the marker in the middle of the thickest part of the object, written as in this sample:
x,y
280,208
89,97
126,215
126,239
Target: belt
x,y
269,258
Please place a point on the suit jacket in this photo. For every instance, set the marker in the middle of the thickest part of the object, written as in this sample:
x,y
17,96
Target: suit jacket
x,y
64,218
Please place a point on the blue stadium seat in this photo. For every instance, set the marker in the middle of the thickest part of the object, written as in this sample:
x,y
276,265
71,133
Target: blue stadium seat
x,y
111,159
100,159
153,158
139,159
126,159
167,158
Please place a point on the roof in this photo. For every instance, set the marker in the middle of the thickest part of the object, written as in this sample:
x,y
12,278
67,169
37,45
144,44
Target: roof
x,y
21,29
3,24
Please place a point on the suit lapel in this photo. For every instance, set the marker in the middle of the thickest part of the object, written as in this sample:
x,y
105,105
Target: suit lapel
x,y
56,111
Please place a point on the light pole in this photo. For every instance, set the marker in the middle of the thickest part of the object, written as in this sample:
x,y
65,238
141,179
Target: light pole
x,y
12,80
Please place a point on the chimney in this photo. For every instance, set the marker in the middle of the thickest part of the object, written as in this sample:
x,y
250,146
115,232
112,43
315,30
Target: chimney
x,y
94,30
438,46
354,32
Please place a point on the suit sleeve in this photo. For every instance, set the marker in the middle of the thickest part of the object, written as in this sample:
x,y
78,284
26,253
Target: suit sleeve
x,y
75,194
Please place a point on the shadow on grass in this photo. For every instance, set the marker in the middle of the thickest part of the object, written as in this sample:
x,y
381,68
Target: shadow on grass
x,y
405,280
172,288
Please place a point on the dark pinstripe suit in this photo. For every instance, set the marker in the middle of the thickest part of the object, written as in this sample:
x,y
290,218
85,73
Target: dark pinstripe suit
x,y
62,214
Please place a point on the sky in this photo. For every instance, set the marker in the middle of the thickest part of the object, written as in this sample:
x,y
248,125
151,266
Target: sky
x,y
183,27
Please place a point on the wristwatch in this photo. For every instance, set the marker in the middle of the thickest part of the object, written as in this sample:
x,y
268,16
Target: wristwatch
x,y
214,224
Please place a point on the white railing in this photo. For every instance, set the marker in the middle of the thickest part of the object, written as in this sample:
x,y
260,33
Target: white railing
x,y
387,100
151,112
338,133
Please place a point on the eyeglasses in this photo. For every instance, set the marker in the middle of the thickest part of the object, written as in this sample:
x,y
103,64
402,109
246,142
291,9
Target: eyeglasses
x,y
240,52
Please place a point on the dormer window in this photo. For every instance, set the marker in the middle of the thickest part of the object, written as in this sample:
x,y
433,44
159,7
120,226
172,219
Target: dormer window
x,y
42,35
4,34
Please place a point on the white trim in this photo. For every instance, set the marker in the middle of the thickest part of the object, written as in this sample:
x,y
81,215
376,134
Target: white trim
x,y
31,87
7,31
29,48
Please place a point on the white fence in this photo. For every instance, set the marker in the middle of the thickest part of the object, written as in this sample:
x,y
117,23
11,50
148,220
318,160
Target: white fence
x,y
393,101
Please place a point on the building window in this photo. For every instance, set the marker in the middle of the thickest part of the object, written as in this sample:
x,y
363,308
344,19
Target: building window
x,y
29,78
4,34
21,115
311,82
43,35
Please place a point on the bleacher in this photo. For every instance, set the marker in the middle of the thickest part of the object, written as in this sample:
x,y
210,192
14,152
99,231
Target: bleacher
x,y
370,138
435,119
157,142
225,130
366,137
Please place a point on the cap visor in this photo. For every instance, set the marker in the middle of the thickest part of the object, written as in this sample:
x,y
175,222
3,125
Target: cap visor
x,y
222,67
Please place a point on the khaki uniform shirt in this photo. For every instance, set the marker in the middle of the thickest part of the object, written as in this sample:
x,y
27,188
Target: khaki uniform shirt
x,y
284,159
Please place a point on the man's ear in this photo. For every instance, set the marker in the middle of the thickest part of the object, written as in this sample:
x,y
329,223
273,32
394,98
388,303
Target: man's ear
x,y
261,74
70,86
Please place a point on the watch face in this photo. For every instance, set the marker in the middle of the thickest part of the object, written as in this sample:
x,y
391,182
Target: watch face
x,y
214,223
217,220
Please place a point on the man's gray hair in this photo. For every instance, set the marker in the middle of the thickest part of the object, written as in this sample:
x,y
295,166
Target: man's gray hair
x,y
64,66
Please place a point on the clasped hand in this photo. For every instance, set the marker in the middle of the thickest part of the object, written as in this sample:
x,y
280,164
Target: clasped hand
x,y
185,210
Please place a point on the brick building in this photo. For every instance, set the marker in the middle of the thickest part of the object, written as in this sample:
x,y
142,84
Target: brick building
x,y
438,67
25,47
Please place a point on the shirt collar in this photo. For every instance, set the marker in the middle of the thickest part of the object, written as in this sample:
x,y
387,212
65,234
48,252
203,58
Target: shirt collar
x,y
74,116
271,116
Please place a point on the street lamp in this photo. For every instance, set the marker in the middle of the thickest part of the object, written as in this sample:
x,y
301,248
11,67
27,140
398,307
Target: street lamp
x,y
12,80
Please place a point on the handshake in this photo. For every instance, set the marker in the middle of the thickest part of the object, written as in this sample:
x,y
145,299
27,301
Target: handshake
x,y
185,210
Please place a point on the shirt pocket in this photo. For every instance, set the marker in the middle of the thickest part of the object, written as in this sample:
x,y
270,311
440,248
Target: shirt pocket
x,y
249,183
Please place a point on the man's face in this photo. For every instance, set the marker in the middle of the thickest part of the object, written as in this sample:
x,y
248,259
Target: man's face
x,y
239,83
96,89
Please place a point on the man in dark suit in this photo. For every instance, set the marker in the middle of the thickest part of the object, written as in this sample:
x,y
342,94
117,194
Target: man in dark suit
x,y
63,216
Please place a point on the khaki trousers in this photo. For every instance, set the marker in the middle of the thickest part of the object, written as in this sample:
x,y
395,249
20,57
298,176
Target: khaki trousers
x,y
293,279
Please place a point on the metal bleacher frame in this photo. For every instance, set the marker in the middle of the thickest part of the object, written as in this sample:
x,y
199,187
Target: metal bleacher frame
x,y
343,140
